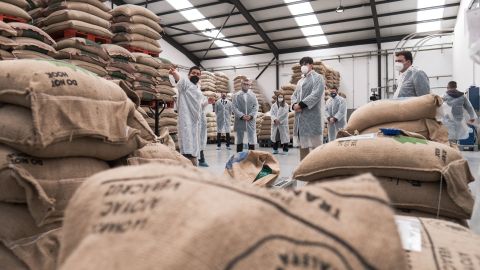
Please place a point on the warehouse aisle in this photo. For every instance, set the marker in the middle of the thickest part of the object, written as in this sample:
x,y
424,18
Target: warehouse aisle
x,y
217,159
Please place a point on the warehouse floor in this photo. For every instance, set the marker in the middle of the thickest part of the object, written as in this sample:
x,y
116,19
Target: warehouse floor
x,y
217,159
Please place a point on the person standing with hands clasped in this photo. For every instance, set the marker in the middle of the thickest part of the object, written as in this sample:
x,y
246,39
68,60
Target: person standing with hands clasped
x,y
280,131
309,105
224,110
245,108
189,112
336,113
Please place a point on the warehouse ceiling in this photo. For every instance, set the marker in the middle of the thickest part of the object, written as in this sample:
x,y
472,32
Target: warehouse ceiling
x,y
209,29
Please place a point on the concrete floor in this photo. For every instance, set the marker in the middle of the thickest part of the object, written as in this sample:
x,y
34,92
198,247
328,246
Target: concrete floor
x,y
217,159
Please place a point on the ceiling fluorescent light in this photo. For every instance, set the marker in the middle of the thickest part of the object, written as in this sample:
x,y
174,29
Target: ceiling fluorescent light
x,y
429,14
180,4
315,41
231,51
312,31
306,20
302,8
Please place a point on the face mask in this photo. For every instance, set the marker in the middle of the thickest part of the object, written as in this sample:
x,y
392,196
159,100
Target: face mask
x,y
398,66
194,79
224,97
304,69
333,95
280,99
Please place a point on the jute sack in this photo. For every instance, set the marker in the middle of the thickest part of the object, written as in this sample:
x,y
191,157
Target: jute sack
x,y
19,3
99,70
123,36
315,220
142,45
84,45
445,245
80,26
129,91
96,3
139,19
30,31
145,69
147,60
76,54
4,55
24,43
165,138
419,214
26,54
66,15
131,28
118,52
132,10
72,99
388,111
7,30
122,64
167,121
18,132
7,43
45,185
157,151
167,90
398,157
9,260
254,167
169,113
138,122
265,132
429,128
12,10
87,8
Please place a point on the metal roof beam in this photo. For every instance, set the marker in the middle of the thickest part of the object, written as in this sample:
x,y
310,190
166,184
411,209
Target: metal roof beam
x,y
373,7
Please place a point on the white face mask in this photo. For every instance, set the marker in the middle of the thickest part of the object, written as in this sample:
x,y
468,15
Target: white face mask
x,y
304,69
280,99
398,66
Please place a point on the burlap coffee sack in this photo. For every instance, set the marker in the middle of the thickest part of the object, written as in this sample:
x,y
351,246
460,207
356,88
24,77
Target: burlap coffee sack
x,y
127,37
80,26
167,121
7,30
429,128
66,15
165,138
399,157
139,19
18,132
76,54
419,214
23,43
139,123
147,60
157,151
84,45
80,6
120,73
167,90
132,10
145,69
4,55
73,90
142,45
7,43
96,3
254,167
45,185
116,51
12,10
19,3
99,70
129,91
314,220
26,54
131,28
30,31
9,260
445,245
387,111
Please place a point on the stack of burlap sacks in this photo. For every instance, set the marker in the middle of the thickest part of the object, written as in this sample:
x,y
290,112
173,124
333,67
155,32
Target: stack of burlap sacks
x,y
146,83
165,87
56,129
90,17
16,8
264,129
24,41
222,83
208,83
420,172
169,120
291,123
211,126
136,27
287,92
35,10
121,64
332,77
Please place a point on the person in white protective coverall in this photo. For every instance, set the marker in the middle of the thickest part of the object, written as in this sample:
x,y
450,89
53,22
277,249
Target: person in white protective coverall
x,y
189,112
413,82
203,134
309,104
455,121
245,108
224,110
336,113
280,131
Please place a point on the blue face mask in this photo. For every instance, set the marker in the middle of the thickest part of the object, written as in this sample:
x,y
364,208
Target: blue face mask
x,y
333,95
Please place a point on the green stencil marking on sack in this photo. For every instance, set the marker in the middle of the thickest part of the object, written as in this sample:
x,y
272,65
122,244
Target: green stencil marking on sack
x,y
264,172
405,139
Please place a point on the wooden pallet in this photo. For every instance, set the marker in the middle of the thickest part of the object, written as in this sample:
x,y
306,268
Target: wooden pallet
x,y
70,33
139,50
8,18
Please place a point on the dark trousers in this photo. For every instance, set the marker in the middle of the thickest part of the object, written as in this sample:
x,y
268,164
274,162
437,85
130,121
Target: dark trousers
x,y
277,143
240,147
219,139
202,157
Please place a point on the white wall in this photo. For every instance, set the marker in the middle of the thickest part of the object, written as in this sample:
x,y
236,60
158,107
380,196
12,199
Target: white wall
x,y
175,56
359,74
465,72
